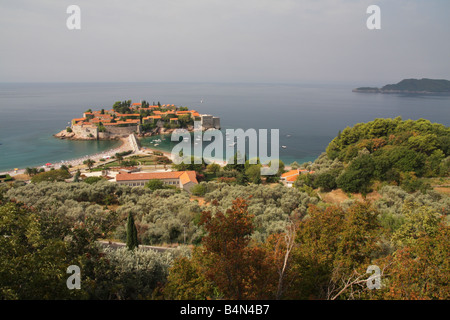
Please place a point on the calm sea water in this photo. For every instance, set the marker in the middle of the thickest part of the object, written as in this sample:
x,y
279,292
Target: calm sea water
x,y
308,116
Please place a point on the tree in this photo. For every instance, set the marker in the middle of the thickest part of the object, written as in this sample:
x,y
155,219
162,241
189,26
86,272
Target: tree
x,y
326,181
132,238
32,266
253,172
186,281
199,190
155,184
333,245
238,270
31,171
52,175
295,165
213,168
418,223
76,177
89,162
420,270
357,176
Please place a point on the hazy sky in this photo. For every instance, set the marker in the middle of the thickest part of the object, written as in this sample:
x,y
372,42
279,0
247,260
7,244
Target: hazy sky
x,y
224,41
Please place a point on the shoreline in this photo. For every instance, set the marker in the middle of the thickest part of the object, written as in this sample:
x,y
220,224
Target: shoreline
x,y
171,156
77,163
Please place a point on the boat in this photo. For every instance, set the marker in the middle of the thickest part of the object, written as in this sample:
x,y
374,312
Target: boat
x,y
284,147
156,144
288,135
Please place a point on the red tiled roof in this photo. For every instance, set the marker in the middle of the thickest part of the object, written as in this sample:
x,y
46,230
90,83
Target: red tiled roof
x,y
127,114
184,176
153,117
290,173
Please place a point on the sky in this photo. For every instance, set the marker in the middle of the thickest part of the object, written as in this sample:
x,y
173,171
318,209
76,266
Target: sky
x,y
268,41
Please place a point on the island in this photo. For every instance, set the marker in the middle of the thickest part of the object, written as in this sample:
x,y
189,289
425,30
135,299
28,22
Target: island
x,y
140,118
414,86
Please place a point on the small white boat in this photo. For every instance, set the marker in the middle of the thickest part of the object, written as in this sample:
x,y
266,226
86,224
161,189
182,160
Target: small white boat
x,y
284,147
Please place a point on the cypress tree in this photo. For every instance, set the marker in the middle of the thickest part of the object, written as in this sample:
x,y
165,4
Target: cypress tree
x,y
132,240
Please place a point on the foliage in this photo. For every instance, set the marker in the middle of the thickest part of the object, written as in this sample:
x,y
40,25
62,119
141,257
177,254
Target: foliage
x,y
332,244
92,180
390,148
199,189
24,254
155,184
89,162
420,270
121,274
52,175
238,270
132,238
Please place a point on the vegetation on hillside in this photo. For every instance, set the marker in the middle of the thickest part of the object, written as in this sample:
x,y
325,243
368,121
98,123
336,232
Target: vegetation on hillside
x,y
241,236
387,150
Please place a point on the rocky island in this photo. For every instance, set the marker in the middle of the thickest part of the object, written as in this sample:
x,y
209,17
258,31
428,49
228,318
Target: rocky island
x,y
141,118
415,86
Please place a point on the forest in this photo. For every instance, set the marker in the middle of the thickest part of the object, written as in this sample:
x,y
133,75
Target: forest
x,y
245,238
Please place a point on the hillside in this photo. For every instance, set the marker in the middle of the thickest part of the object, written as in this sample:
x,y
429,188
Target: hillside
x,y
388,150
411,86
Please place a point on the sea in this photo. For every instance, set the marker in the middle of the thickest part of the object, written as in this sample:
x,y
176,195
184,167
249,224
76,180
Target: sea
x,y
308,116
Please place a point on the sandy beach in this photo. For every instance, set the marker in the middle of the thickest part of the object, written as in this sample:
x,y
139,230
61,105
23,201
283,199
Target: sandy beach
x,y
127,143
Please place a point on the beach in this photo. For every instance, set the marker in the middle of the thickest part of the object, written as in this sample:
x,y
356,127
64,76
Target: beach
x,y
127,144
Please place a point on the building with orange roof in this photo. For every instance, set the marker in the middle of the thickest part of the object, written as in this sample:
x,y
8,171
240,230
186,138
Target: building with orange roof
x,y
182,179
288,178
150,119
125,115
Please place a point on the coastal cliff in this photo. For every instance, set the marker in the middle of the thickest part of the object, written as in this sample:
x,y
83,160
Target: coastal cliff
x,y
71,136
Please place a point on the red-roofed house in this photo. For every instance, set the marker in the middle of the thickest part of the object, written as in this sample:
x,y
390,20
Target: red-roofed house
x,y
181,179
289,177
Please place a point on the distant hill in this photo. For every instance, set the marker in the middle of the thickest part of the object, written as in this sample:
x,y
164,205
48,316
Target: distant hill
x,y
423,86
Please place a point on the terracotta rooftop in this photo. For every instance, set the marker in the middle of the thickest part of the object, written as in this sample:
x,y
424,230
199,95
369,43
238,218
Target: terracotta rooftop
x,y
184,176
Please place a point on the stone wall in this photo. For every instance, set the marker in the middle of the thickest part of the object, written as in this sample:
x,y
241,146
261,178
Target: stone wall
x,y
208,122
112,132
85,132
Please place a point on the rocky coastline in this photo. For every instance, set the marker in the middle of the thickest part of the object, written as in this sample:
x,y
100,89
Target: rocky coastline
x,y
65,135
